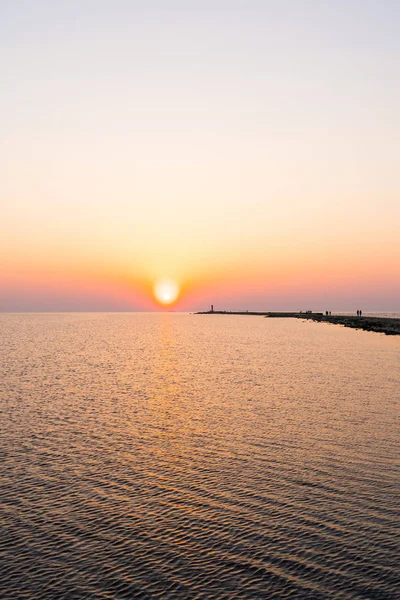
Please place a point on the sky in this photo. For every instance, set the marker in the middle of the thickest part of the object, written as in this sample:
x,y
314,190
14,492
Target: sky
x,y
246,150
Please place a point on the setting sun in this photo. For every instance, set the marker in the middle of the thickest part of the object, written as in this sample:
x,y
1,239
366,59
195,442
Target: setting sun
x,y
166,291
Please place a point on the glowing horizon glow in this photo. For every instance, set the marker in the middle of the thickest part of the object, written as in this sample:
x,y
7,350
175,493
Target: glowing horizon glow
x,y
166,291
236,168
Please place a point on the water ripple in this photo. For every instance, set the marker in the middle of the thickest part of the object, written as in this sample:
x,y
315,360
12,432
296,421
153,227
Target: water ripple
x,y
169,456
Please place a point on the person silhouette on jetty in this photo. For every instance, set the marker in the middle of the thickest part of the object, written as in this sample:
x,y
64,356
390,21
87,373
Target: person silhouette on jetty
x,y
358,313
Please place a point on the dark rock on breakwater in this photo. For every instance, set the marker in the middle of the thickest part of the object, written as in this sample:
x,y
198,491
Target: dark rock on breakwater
x,y
386,325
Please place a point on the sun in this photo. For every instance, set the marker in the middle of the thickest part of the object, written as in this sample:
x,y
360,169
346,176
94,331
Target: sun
x,y
166,291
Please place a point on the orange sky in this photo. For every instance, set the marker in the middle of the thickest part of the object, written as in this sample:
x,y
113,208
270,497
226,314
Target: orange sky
x,y
258,169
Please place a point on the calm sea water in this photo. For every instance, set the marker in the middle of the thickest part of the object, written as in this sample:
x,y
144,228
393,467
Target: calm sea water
x,y
183,456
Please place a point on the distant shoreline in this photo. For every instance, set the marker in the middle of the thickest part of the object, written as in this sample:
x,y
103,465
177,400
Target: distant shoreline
x,y
386,325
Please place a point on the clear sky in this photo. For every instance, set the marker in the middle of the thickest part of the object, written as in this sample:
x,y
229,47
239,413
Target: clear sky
x,y
248,150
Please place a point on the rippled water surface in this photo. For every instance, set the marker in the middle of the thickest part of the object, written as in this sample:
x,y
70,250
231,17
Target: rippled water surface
x,y
183,456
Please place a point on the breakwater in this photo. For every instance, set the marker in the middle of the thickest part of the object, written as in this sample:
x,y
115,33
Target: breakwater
x,y
386,325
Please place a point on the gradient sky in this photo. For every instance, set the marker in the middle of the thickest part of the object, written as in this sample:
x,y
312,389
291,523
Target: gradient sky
x,y
249,150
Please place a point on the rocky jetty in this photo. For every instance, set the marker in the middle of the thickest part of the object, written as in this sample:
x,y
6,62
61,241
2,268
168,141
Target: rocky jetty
x,y
386,325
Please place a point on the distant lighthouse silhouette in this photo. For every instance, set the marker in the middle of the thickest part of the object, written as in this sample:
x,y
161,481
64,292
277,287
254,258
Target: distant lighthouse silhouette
x,y
212,307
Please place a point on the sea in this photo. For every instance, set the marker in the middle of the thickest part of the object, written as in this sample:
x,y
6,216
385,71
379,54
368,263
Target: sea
x,y
172,455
